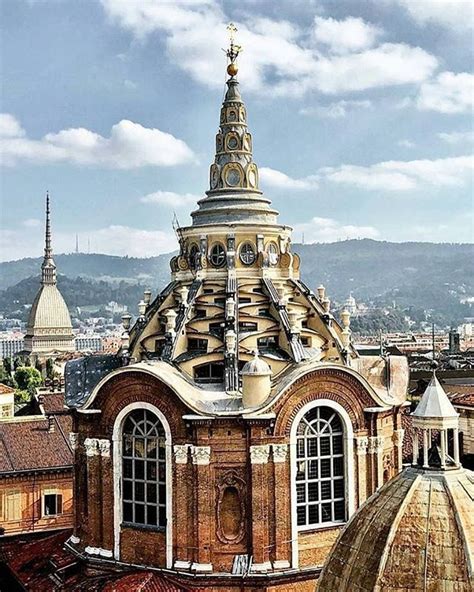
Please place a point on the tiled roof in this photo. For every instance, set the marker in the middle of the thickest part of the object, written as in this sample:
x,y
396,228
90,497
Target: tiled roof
x,y
4,389
142,582
28,444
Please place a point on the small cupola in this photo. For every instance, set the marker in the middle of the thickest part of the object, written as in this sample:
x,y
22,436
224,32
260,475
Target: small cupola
x,y
256,382
436,417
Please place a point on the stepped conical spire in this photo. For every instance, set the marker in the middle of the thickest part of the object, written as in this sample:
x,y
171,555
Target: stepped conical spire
x,y
234,193
48,267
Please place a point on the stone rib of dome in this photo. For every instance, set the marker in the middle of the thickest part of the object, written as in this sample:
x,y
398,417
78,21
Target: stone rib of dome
x,y
49,310
416,534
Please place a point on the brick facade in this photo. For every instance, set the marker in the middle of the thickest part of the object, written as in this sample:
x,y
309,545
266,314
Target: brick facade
x,y
231,480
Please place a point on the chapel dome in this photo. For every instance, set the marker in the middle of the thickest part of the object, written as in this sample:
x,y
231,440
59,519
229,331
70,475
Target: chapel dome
x,y
49,310
416,533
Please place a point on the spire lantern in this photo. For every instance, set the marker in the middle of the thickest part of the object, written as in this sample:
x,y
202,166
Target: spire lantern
x,y
435,412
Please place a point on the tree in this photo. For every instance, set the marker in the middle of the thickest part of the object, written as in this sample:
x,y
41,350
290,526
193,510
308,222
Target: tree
x,y
50,368
28,379
16,363
6,378
7,366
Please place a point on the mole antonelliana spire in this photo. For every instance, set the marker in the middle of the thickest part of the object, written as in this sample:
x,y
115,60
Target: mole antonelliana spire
x,y
49,327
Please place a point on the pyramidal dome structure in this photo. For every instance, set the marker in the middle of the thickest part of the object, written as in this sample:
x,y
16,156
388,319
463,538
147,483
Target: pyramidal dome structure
x,y
49,327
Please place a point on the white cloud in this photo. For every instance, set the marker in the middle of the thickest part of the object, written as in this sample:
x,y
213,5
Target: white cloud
x,y
129,84
455,14
336,110
111,240
171,199
129,146
456,137
10,126
350,34
448,93
276,52
404,175
273,178
31,222
329,230
406,143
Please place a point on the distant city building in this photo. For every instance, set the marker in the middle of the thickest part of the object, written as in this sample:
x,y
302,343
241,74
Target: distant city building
x,y
11,344
49,327
115,307
351,304
88,343
35,465
7,402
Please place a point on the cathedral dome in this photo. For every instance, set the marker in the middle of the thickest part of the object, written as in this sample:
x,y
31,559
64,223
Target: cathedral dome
x,y
49,310
416,533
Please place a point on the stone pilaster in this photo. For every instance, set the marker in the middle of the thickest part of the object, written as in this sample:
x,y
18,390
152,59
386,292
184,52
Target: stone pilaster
x,y
361,445
91,446
259,456
398,443
183,498
107,498
282,533
201,456
376,445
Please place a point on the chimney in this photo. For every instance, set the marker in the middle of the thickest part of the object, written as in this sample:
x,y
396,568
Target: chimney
x,y
51,424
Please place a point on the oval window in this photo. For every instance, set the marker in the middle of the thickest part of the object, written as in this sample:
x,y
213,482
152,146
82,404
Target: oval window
x,y
247,254
233,177
233,143
230,513
217,256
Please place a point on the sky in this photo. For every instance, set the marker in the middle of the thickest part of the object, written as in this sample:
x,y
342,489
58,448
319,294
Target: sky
x,y
361,115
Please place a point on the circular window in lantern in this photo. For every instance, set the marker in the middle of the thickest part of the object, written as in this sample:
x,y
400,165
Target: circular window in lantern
x,y
247,254
232,142
272,251
232,177
231,115
217,256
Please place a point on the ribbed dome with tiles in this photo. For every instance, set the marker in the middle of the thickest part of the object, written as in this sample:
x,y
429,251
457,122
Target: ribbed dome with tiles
x,y
49,327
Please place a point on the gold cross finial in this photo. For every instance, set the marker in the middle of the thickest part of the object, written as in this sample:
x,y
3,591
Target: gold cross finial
x,y
233,51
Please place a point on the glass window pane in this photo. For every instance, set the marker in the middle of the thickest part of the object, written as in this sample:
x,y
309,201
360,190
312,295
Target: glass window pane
x,y
151,448
338,466
151,515
339,511
301,515
162,494
313,495
326,467
326,490
151,472
339,488
312,447
300,492
127,489
337,445
139,447
312,469
300,447
151,493
300,470
325,444
139,469
313,514
326,513
139,492
139,514
128,512
162,515
127,468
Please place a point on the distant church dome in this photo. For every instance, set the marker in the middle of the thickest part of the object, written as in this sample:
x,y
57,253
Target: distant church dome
x,y
49,325
417,532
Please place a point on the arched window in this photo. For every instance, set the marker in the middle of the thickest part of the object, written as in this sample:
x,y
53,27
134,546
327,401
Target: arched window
x,y
320,470
144,469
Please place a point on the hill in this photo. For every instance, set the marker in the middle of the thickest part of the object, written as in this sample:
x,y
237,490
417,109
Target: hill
x,y
414,276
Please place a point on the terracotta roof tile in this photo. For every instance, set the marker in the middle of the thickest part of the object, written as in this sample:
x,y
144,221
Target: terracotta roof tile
x,y
142,582
4,389
28,444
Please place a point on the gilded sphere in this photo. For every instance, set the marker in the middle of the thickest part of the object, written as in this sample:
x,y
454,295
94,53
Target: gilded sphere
x,y
232,69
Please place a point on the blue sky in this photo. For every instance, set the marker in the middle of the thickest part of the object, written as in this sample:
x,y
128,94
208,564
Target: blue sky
x,y
361,114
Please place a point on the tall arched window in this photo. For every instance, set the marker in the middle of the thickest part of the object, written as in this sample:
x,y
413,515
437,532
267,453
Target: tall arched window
x,y
320,486
143,469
